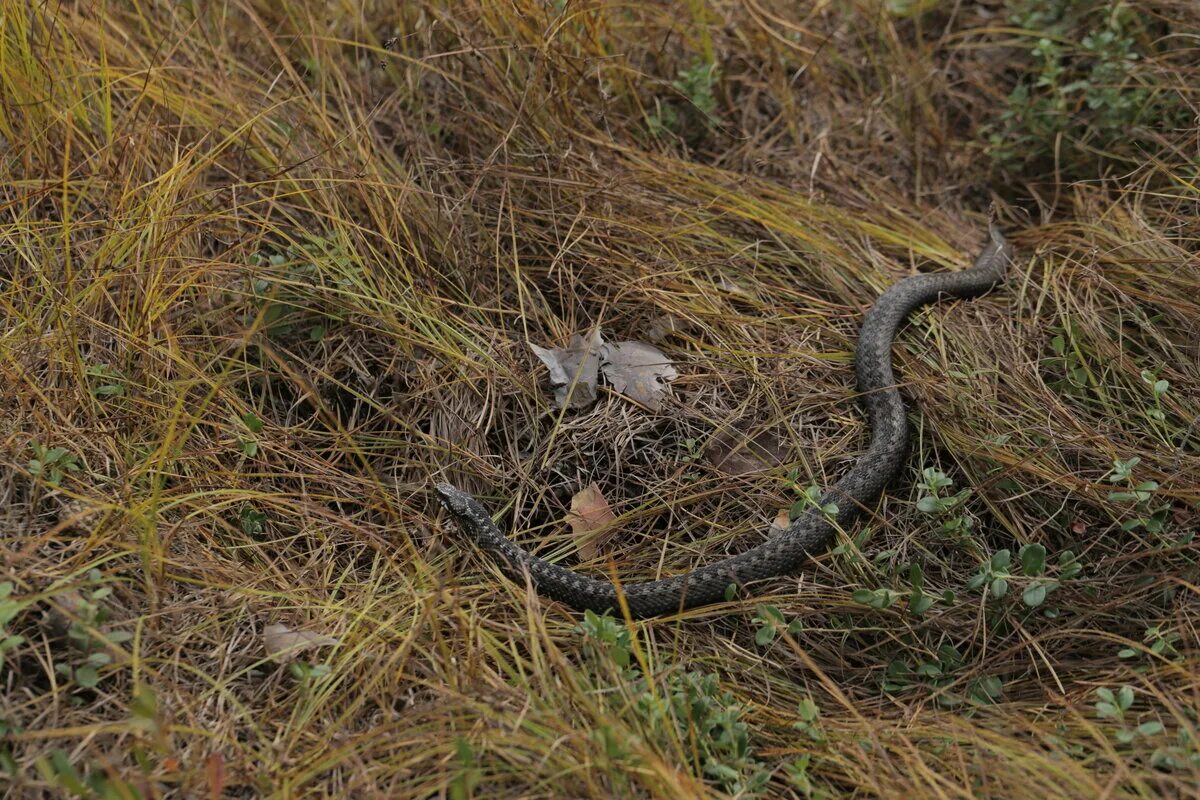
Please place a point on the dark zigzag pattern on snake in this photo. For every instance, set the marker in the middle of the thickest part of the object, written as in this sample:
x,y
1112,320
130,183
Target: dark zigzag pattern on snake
x,y
783,553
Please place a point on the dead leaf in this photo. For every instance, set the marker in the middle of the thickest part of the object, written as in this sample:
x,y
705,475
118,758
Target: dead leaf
x,y
215,767
589,513
638,371
282,643
781,522
574,369
734,453
664,325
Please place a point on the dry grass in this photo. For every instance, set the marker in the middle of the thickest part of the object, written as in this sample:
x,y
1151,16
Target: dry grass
x,y
238,208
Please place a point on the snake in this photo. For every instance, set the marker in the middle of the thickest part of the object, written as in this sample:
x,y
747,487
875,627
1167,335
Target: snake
x,y
812,530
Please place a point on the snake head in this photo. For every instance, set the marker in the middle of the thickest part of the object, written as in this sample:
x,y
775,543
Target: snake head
x,y
456,502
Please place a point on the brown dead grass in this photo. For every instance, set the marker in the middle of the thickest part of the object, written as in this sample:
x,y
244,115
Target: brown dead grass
x,y
493,178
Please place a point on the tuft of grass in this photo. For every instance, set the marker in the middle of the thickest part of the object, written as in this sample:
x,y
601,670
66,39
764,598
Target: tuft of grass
x,y
269,271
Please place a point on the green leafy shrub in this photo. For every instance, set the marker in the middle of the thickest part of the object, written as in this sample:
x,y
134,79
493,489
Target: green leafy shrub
x,y
1083,94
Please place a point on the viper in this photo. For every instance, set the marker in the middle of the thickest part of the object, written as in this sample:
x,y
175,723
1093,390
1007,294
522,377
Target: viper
x,y
785,552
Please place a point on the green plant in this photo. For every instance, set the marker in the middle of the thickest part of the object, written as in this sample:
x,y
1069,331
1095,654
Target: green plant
x,y
252,521
308,674
697,84
938,674
106,382
316,268
1114,706
1082,95
876,598
1158,388
712,720
9,609
809,497
810,720
694,452
691,705
85,631
468,774
796,773
1140,494
607,636
770,620
1160,642
56,769
249,445
51,464
996,574
935,502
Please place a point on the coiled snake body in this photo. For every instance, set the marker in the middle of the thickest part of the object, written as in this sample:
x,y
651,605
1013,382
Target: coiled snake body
x,y
785,552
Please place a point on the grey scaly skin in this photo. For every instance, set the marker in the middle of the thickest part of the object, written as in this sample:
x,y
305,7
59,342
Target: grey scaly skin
x,y
785,552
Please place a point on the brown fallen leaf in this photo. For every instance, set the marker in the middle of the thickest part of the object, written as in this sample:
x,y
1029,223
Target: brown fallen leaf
x,y
574,369
733,453
781,522
664,325
215,767
283,644
589,514
638,371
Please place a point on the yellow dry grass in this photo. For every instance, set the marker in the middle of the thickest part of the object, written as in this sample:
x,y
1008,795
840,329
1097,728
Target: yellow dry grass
x,y
268,270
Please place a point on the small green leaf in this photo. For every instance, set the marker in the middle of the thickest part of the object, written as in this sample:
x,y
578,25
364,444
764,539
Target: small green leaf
x,y
145,703
929,505
927,670
916,577
918,604
765,635
863,596
87,677
808,710
771,614
1033,560
999,588
1152,728
1001,559
1125,697
1034,595
252,422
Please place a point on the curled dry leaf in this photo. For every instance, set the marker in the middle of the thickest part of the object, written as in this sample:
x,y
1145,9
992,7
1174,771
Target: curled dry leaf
x,y
589,514
735,453
283,644
781,522
638,371
664,325
574,369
